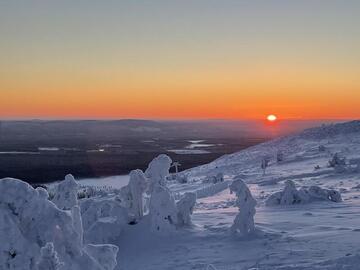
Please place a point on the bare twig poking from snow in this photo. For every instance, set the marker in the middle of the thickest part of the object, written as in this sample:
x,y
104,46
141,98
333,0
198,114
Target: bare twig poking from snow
x,y
31,221
244,221
66,193
291,195
137,186
163,212
185,207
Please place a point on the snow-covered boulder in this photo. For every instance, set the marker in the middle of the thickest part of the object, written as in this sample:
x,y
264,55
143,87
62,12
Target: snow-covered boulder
x,y
65,193
35,233
291,195
185,208
244,221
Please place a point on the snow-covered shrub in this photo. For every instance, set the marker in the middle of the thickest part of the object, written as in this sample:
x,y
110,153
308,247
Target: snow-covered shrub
x,y
291,195
244,221
29,222
317,167
182,179
338,163
185,207
322,148
279,156
103,219
162,208
65,193
214,179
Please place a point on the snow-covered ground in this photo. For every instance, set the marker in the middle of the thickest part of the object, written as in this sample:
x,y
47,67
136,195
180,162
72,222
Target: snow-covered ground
x,y
301,234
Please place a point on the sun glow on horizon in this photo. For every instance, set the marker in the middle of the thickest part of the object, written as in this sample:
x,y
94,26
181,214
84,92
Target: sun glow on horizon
x,y
271,117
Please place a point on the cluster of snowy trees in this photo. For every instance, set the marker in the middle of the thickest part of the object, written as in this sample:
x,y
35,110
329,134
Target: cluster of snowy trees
x,y
63,232
40,234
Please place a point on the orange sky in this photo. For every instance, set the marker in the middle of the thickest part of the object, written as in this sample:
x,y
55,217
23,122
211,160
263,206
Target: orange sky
x,y
174,61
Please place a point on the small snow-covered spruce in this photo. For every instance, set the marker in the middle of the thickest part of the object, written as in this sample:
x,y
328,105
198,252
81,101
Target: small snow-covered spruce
x,y
185,207
49,259
65,196
337,162
290,195
162,208
244,221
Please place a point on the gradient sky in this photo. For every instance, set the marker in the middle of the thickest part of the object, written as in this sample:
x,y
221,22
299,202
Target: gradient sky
x,y
179,59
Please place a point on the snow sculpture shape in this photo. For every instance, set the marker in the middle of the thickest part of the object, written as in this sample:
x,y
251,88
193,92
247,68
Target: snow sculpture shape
x,y
185,207
162,208
291,195
35,233
137,186
66,193
244,221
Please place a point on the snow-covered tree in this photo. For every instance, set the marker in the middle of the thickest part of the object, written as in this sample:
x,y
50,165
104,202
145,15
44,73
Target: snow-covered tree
x,y
158,170
137,186
185,207
162,208
244,221
66,193
31,221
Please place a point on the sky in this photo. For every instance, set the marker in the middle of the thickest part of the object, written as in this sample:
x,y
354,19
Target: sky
x,y
180,59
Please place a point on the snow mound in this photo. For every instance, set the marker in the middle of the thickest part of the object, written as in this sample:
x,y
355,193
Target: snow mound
x,y
35,234
291,195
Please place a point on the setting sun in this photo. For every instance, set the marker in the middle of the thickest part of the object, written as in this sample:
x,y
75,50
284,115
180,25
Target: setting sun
x,y
271,118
